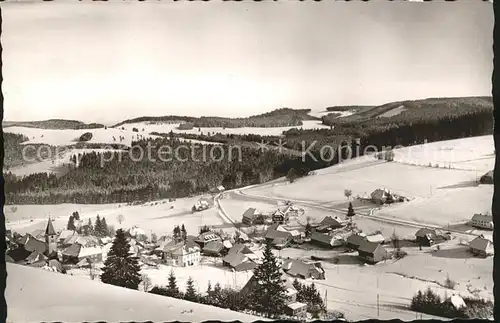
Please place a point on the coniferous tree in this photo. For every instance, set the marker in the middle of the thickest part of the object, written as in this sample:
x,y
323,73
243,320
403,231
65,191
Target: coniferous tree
x,y
104,228
217,295
71,223
308,229
88,229
121,268
191,294
172,289
183,232
269,294
350,211
98,226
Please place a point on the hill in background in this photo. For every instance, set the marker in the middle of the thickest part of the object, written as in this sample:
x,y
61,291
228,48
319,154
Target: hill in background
x,y
56,124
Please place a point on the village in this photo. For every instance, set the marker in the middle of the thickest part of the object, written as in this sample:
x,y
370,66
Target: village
x,y
81,248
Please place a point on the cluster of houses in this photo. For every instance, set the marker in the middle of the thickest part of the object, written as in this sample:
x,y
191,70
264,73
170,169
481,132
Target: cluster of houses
x,y
280,216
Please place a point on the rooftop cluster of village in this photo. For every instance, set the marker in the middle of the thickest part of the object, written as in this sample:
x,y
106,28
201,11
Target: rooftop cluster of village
x,y
84,247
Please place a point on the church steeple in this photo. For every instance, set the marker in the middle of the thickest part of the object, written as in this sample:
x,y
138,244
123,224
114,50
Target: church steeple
x,y
50,238
49,231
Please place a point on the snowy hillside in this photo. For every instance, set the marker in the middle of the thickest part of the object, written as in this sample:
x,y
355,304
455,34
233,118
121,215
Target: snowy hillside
x,y
35,295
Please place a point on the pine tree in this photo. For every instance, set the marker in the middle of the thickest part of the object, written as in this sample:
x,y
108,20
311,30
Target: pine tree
x,y
350,211
172,289
208,298
217,296
104,227
191,294
268,296
88,229
308,229
98,226
120,267
71,223
183,233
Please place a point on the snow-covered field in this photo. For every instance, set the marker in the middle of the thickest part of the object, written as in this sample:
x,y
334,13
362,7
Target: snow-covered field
x,y
66,137
353,288
268,131
210,270
35,295
475,153
52,164
321,113
160,218
437,195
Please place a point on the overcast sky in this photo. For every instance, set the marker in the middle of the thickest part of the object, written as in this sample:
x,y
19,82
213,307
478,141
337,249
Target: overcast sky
x,y
105,62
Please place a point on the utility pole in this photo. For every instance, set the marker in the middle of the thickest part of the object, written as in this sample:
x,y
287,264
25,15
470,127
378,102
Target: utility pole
x,y
326,299
378,306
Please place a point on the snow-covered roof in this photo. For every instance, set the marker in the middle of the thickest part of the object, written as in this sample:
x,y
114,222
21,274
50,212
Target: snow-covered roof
x,y
296,305
135,231
91,251
376,238
457,301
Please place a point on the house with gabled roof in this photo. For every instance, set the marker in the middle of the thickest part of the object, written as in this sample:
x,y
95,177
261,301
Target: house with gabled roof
x,y
303,270
183,254
371,252
428,237
76,253
481,247
321,239
279,239
64,235
214,248
240,258
207,237
250,216
328,224
354,241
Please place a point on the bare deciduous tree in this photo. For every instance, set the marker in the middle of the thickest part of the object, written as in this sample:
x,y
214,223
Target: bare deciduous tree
x,y
120,218
146,282
348,193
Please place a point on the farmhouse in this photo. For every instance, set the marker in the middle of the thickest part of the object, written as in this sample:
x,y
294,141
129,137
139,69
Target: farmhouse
x,y
182,254
279,217
426,237
482,221
354,241
328,224
481,247
250,216
372,252
379,196
207,237
303,270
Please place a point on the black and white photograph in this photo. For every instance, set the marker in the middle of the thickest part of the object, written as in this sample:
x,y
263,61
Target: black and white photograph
x,y
241,161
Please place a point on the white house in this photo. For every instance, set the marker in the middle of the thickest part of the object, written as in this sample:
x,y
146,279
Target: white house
x,y
182,254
